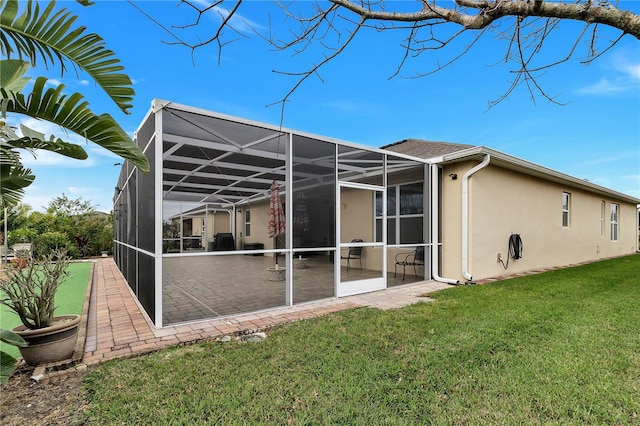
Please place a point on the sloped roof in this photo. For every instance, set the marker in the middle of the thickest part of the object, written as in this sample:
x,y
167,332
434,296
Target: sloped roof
x,y
425,149
447,153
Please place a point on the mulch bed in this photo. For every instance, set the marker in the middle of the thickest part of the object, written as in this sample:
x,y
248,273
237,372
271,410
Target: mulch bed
x,y
25,402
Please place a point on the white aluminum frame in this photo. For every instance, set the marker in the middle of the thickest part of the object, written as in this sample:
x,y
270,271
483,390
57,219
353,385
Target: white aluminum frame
x,y
158,111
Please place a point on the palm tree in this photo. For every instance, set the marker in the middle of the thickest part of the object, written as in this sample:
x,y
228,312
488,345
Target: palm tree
x,y
48,35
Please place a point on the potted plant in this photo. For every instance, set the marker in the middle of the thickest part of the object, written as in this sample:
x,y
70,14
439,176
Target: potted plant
x,y
30,293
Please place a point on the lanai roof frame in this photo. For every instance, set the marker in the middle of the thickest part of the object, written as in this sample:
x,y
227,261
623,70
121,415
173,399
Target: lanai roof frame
x,y
236,189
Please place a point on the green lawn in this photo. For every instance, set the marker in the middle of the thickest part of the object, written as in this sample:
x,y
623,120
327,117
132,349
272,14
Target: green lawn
x,y
69,300
561,347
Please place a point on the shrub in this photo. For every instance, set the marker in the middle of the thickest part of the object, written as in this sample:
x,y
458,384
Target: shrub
x,y
93,234
42,243
22,235
81,235
48,242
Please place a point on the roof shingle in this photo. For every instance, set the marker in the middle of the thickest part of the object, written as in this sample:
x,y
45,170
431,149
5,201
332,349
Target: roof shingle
x,y
425,149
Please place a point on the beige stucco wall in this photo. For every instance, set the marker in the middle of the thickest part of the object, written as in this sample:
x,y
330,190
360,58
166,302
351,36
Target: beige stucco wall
x,y
356,221
211,221
196,226
259,225
504,202
222,222
216,222
451,219
356,214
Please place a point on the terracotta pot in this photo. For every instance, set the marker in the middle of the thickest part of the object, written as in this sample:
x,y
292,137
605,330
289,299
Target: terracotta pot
x,y
50,344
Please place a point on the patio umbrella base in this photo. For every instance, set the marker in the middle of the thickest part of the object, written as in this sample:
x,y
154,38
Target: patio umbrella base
x,y
277,273
300,263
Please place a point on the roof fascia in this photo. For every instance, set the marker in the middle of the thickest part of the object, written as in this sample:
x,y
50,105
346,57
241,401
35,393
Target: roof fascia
x,y
533,169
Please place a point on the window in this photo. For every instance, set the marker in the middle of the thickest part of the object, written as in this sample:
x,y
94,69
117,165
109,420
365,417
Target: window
x,y
405,214
247,223
566,204
614,222
602,218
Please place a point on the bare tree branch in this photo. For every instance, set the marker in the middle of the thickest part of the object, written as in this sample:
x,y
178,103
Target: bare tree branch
x,y
434,26
314,69
490,11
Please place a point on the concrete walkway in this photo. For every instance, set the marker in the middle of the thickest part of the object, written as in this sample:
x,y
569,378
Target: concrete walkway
x,y
116,326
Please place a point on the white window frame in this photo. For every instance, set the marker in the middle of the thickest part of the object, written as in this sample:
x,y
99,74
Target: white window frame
x,y
247,222
566,209
615,211
397,216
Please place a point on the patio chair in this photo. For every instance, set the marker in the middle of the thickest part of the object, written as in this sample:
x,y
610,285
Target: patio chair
x,y
415,258
354,253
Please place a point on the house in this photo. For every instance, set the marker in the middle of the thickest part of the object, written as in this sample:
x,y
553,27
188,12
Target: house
x,y
197,236
487,196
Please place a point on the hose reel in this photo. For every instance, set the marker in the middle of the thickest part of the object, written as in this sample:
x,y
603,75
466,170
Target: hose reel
x,y
515,249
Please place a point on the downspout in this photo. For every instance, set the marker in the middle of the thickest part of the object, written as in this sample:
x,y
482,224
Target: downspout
x,y
465,215
637,227
435,226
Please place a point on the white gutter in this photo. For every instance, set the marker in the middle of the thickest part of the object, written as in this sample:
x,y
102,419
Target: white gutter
x,y
465,215
503,160
435,226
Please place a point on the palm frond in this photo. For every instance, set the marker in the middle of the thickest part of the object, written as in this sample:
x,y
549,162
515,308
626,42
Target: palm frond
x,y
72,113
11,74
58,146
15,178
49,35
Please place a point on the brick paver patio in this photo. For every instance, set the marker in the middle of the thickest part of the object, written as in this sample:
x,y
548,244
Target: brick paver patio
x,y
116,326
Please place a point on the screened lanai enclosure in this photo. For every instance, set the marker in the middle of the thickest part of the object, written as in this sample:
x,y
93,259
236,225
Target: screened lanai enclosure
x,y
238,216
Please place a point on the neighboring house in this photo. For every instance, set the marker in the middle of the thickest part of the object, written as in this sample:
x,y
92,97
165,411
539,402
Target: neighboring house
x,y
194,229
193,240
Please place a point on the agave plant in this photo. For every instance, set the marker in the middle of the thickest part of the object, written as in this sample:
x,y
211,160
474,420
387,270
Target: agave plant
x,y
48,35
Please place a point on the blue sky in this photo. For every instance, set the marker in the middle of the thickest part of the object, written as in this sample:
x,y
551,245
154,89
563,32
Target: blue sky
x,y
595,136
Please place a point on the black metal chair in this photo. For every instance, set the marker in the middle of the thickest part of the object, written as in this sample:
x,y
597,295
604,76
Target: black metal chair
x,y
415,258
354,253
